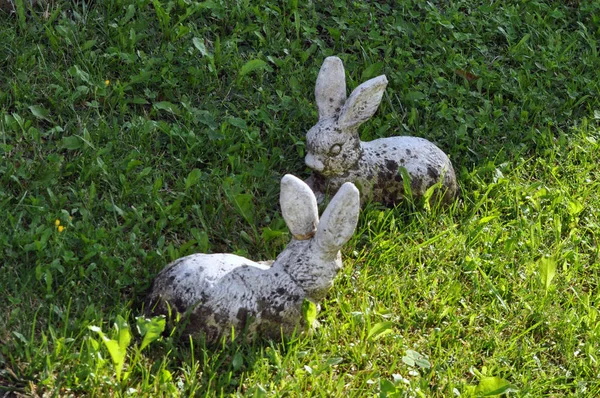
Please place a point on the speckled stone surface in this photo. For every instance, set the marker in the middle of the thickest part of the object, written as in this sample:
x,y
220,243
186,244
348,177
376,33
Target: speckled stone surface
x,y
216,292
337,155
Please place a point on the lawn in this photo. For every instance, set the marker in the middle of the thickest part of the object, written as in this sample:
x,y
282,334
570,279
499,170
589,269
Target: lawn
x,y
134,132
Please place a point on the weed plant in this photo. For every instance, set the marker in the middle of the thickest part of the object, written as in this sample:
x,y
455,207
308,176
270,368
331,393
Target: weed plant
x,y
134,132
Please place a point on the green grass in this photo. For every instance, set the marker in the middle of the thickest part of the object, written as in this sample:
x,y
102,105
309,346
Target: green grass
x,y
154,129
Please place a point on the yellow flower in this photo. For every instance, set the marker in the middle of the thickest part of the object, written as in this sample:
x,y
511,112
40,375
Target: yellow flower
x,y
61,228
57,222
106,82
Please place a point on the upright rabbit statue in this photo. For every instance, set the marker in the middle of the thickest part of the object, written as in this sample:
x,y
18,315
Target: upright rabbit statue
x,y
337,155
221,291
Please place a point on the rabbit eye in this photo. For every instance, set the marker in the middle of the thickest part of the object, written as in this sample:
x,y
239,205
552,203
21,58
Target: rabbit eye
x,y
335,150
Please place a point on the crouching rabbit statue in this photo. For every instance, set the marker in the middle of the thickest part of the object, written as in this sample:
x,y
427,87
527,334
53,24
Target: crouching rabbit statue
x,y
337,155
219,291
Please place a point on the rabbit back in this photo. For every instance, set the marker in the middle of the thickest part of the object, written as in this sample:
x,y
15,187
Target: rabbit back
x,y
188,280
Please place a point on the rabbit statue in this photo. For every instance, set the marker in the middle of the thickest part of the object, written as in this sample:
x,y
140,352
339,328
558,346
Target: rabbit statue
x,y
218,292
337,155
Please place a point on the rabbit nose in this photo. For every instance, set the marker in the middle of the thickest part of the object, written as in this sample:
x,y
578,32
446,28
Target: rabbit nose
x,y
314,163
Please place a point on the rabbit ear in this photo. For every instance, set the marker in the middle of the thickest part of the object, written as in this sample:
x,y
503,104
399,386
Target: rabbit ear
x,y
339,219
299,207
330,90
363,102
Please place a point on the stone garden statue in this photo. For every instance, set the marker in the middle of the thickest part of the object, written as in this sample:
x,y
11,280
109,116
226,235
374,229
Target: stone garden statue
x,y
336,154
216,292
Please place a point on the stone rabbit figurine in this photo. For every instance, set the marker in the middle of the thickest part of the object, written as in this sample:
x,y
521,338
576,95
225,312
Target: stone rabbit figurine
x,y
220,291
336,154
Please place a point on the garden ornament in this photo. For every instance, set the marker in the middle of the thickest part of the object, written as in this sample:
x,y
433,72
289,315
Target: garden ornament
x,y
337,155
218,292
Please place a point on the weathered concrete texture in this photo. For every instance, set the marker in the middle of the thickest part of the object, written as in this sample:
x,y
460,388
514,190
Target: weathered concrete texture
x,y
337,155
219,291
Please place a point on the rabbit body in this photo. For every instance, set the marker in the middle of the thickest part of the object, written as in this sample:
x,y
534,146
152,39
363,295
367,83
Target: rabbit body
x,y
220,291
377,171
337,155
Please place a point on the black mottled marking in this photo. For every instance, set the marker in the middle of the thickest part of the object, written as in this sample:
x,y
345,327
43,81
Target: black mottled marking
x,y
408,152
242,316
391,165
338,109
433,173
187,274
179,305
268,312
415,185
197,324
330,99
280,290
221,318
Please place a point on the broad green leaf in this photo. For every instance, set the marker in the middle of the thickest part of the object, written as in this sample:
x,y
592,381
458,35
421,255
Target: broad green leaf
x,y
88,44
259,392
413,358
386,387
192,178
487,219
123,333
128,15
117,355
491,386
165,376
575,207
269,234
245,206
372,71
150,329
201,238
237,361
309,312
199,44
72,142
379,330
237,122
414,96
547,270
334,361
206,118
166,106
253,65
39,112
78,73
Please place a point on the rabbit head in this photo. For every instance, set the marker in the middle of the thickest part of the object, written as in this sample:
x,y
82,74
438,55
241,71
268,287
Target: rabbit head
x,y
333,144
313,257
